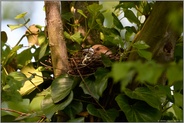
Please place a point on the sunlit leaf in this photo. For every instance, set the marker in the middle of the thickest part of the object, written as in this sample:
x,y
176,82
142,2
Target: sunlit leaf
x,y
13,27
139,111
178,112
37,80
21,15
49,107
61,87
32,35
35,104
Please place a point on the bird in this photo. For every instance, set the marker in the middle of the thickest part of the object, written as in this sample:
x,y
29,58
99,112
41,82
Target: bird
x,y
95,52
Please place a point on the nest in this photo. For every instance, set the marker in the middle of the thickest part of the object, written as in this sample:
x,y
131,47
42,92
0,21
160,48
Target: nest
x,y
82,64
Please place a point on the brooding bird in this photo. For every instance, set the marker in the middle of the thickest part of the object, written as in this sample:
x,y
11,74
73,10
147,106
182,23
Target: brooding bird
x,y
95,52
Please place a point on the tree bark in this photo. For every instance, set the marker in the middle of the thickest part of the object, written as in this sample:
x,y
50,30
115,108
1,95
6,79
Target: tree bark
x,y
158,33
56,38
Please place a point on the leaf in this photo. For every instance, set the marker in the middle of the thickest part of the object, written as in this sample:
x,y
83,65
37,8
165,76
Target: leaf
x,y
76,37
94,8
19,16
81,12
22,60
21,106
120,70
107,116
73,109
139,111
140,45
49,107
67,16
11,55
144,94
32,35
149,72
61,87
131,16
117,22
174,73
13,27
4,37
145,54
43,49
178,99
37,80
178,112
35,104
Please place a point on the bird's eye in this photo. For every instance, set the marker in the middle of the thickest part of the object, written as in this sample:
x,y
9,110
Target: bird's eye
x,y
98,48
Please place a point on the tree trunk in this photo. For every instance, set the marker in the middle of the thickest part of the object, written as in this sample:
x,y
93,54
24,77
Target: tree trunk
x,y
56,38
158,33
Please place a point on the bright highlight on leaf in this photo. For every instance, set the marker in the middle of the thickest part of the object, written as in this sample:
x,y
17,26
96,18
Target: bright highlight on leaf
x,y
21,15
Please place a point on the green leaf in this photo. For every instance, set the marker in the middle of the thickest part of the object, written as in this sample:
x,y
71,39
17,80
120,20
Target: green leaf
x,y
174,73
98,86
41,38
22,60
101,81
145,54
76,37
81,12
149,72
139,111
90,89
43,49
178,112
37,80
11,55
61,87
94,8
131,16
35,104
117,22
67,16
144,94
49,107
22,106
140,45
13,27
107,116
178,99
73,109
120,70
4,37
21,15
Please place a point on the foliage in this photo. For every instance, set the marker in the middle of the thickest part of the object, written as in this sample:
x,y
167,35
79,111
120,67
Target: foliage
x,y
30,93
